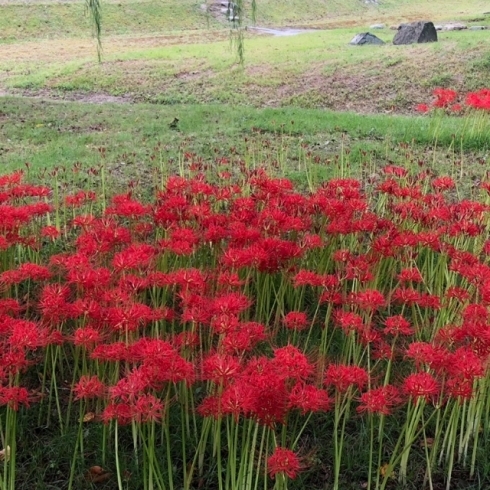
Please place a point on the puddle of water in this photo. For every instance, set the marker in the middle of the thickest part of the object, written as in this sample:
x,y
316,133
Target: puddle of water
x,y
280,32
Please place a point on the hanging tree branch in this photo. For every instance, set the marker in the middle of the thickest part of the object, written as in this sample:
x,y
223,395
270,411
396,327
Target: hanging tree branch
x,y
92,8
235,15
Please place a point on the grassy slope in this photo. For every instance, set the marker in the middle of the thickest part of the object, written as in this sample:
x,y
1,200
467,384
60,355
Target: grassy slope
x,y
159,58
172,52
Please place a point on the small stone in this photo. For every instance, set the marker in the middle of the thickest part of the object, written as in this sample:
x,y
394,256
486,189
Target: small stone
x,y
377,26
477,28
365,38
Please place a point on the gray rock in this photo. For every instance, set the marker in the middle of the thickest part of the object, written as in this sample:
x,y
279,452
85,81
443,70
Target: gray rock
x,y
416,32
377,26
365,38
439,27
477,28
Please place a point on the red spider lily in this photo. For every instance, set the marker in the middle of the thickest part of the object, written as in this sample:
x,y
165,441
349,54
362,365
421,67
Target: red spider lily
x,y
244,337
80,198
422,108
123,205
117,351
342,377
211,406
380,400
479,100
307,398
421,385
11,179
220,369
291,363
410,275
53,302
358,268
189,279
370,299
14,397
459,388
186,340
230,304
87,337
475,314
307,278
431,355
24,334
395,170
147,408
131,386
89,387
431,301
121,412
444,97
283,461
50,232
183,241
349,321
90,278
10,306
296,320
224,323
128,318
443,183
408,296
265,396
229,279
397,325
465,364
135,256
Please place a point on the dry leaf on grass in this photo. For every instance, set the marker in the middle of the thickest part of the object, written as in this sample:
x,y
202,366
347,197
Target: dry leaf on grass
x,y
89,417
97,474
5,453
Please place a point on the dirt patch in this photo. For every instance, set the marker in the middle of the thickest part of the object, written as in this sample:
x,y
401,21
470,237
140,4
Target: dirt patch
x,y
88,98
75,49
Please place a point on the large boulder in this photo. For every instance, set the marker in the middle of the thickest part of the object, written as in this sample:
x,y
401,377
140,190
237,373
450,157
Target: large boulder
x,y
365,38
416,32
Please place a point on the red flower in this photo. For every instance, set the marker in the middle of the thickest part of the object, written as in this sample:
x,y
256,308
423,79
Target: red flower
x,y
147,408
220,369
89,387
421,385
422,108
380,400
14,396
308,398
296,320
283,461
397,325
370,299
342,377
291,363
87,337
410,275
444,97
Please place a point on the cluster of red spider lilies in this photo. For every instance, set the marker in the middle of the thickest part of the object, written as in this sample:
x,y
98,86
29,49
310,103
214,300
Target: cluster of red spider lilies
x,y
239,333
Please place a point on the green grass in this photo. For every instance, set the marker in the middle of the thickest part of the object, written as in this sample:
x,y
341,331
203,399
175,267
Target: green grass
x,y
55,20
137,137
